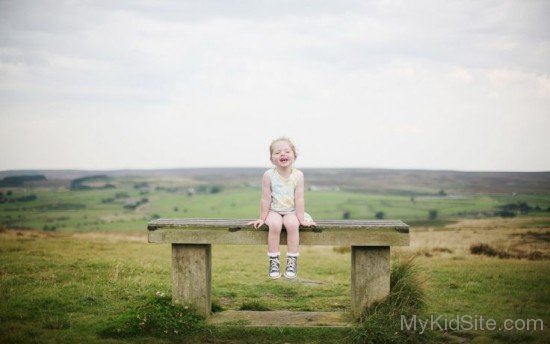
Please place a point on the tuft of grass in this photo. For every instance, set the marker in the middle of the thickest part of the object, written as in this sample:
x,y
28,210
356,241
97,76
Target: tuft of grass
x,y
157,317
254,306
381,323
56,322
216,307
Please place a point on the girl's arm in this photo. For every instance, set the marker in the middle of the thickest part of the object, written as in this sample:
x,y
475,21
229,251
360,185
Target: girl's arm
x,y
265,202
299,202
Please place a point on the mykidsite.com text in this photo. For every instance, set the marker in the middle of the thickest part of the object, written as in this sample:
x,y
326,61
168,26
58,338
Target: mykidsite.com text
x,y
468,323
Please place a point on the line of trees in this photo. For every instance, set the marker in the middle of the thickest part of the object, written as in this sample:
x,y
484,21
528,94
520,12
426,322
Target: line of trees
x,y
20,180
79,183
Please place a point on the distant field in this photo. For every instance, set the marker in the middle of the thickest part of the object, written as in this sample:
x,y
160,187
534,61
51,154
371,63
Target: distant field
x,y
73,262
389,181
126,200
61,209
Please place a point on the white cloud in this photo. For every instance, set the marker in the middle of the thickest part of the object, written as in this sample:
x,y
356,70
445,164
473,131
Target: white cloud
x,y
377,83
462,74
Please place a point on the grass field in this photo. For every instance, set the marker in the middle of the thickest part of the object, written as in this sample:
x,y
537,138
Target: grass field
x,y
61,209
75,265
67,287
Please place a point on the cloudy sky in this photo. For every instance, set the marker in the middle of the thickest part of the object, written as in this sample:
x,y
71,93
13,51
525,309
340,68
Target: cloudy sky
x,y
461,85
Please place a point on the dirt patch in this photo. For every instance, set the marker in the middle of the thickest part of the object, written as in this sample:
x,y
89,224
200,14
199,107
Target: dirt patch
x,y
17,233
112,237
91,236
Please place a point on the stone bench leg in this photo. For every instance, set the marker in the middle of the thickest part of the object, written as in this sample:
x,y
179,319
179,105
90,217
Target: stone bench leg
x,y
370,276
192,276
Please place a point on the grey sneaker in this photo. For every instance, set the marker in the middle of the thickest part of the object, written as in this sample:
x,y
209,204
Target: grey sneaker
x,y
274,271
291,267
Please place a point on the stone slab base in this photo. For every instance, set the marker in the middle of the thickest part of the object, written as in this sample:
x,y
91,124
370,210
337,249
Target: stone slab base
x,y
281,319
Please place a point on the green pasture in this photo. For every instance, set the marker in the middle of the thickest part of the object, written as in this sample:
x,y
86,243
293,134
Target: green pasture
x,y
65,288
67,276
61,209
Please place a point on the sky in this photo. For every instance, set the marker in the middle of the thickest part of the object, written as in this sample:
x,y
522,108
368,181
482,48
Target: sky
x,y
427,84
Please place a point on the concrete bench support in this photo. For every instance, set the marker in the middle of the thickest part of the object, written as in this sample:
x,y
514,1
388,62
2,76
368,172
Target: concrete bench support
x,y
370,276
192,240
192,276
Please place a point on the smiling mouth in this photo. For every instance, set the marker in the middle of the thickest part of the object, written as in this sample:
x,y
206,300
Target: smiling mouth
x,y
283,160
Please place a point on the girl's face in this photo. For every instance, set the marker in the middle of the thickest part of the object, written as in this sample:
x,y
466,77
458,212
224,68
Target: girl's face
x,y
282,155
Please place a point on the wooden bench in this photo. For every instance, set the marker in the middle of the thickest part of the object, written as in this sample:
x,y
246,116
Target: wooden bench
x,y
192,239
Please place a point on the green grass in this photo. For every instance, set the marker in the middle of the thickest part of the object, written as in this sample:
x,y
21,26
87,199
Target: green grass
x,y
492,288
65,210
156,317
60,287
65,288
254,306
468,282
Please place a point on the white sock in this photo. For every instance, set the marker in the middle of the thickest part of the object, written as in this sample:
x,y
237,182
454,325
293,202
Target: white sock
x,y
273,254
288,254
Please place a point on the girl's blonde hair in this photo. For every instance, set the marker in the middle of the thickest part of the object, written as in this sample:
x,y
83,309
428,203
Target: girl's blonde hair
x,y
283,138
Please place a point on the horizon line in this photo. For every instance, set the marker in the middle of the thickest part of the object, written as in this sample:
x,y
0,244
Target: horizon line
x,y
264,167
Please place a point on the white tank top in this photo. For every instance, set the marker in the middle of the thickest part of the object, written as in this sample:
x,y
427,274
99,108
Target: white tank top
x,y
282,191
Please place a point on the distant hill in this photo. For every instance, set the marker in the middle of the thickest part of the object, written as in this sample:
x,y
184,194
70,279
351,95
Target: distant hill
x,y
361,179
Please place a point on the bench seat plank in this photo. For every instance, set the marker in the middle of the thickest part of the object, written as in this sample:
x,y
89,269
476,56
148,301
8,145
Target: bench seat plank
x,y
243,224
237,232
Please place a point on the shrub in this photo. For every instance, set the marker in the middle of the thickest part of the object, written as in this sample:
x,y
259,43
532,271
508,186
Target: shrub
x,y
216,189
216,307
484,249
156,318
380,215
346,215
521,207
381,323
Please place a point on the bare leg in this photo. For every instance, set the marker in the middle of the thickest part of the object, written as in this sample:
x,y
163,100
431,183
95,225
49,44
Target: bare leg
x,y
292,234
275,223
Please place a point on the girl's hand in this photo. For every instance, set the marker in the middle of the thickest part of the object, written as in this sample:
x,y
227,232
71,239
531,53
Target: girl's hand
x,y
306,223
257,224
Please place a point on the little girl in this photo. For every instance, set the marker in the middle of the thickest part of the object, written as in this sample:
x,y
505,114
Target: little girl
x,y
282,203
